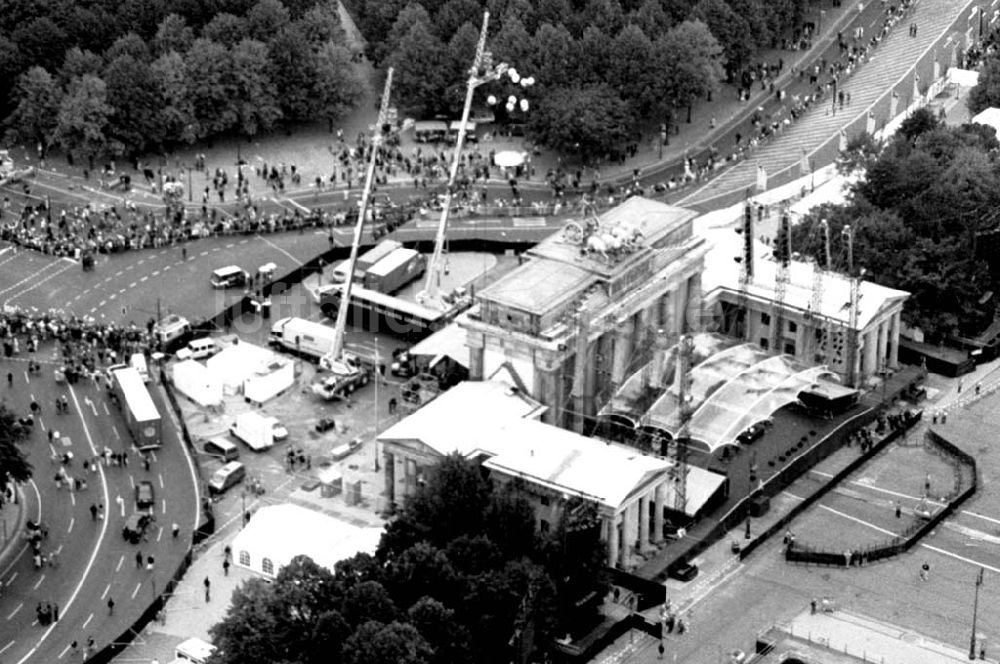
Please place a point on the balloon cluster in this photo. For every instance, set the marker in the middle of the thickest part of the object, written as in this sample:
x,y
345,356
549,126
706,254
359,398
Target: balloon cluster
x,y
512,100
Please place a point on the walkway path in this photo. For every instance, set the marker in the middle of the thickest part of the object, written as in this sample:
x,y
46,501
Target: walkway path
x,y
890,67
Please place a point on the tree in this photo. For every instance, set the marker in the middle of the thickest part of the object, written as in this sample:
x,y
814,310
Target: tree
x,y
631,55
339,86
255,96
461,51
128,44
421,571
421,72
443,631
986,93
453,15
89,27
366,601
375,21
690,60
293,69
79,63
41,42
83,118
178,114
173,34
321,25
13,463
553,59
36,116
860,156
512,45
605,16
651,18
729,29
592,58
134,94
281,621
918,123
226,29
394,643
210,87
266,19
591,121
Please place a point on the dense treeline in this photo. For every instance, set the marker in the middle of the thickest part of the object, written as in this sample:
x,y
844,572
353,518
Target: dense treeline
x,y
604,67
461,575
119,78
925,220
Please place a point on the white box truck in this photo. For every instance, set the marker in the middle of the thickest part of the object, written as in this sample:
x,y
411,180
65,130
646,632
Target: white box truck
x,y
302,336
257,431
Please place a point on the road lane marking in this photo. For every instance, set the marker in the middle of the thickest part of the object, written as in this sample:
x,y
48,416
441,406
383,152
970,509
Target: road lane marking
x,y
164,507
105,404
63,653
118,567
87,621
106,589
159,534
131,285
117,435
160,477
136,591
39,582
72,520
144,278
14,612
4,649
156,274
72,499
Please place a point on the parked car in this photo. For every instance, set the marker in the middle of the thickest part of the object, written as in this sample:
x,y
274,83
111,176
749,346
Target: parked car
x,y
754,432
136,525
325,424
145,496
685,572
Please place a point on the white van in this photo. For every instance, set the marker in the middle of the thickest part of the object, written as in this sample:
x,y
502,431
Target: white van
x,y
198,349
138,362
229,475
230,276
194,650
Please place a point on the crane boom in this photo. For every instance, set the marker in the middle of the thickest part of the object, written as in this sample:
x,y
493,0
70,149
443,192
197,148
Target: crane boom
x,y
431,294
345,297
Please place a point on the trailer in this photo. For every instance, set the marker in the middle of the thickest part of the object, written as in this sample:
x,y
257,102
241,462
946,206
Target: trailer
x,y
142,419
302,336
395,271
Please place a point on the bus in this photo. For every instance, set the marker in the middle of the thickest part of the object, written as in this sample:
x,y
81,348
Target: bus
x,y
141,416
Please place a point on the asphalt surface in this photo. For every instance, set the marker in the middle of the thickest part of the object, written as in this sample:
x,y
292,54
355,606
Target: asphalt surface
x,y
94,562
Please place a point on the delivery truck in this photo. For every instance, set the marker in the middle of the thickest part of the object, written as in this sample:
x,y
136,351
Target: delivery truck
x,y
302,336
395,271
257,431
344,379
365,261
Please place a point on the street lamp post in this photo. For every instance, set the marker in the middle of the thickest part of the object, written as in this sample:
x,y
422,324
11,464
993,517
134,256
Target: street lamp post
x,y
975,614
190,192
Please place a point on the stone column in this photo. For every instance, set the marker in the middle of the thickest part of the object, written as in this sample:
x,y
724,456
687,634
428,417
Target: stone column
x,y
880,352
680,308
893,358
692,317
549,394
613,543
389,461
658,514
584,371
643,522
623,352
628,534
475,342
668,313
870,353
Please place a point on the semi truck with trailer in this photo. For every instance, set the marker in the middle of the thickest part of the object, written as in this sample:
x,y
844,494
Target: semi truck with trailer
x,y
142,419
395,271
302,336
365,261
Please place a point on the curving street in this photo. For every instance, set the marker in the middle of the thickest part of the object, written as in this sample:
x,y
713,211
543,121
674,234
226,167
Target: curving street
x,y
93,562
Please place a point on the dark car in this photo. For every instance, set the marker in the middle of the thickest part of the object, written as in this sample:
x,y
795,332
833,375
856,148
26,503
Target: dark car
x,y
135,527
754,432
145,497
326,424
684,572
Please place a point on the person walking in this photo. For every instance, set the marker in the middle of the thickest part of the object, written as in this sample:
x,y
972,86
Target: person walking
x,y
225,567
899,510
150,563
138,559
208,587
175,530
93,512
111,606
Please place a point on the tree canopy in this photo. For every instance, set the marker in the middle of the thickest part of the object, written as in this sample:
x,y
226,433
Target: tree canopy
x,y
924,215
460,572
13,463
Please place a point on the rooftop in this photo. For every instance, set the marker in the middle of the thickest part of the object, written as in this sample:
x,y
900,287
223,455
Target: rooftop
x,y
450,423
723,272
538,285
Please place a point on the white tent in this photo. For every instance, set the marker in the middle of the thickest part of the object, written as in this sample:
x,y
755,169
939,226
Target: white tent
x,y
990,117
278,533
234,364
269,380
197,383
963,78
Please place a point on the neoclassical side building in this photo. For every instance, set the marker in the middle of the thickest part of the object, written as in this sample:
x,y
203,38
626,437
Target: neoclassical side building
x,y
580,314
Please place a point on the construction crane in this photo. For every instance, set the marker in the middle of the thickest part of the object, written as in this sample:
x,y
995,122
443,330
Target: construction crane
x,y
679,447
741,326
335,357
783,256
431,295
852,318
816,302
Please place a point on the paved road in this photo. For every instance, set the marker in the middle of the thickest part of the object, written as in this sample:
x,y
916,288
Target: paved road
x,y
94,561
130,286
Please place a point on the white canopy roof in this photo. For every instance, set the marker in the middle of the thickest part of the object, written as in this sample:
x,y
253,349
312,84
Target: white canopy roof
x,y
281,532
448,341
990,117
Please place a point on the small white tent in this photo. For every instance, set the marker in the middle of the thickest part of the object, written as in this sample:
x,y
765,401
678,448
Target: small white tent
x,y
278,533
197,383
234,364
